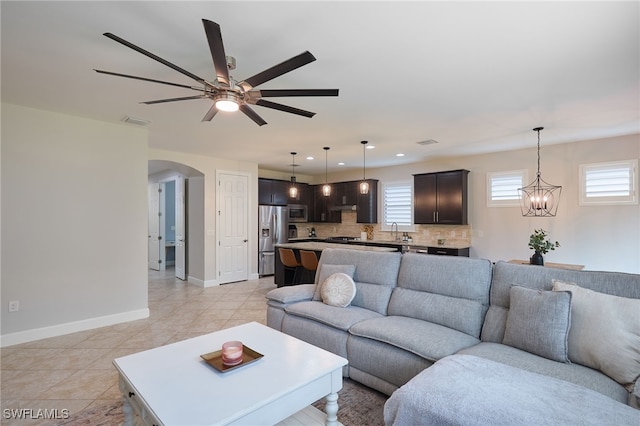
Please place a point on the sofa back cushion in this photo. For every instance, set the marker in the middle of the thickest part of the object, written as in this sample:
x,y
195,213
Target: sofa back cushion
x,y
506,275
445,290
375,275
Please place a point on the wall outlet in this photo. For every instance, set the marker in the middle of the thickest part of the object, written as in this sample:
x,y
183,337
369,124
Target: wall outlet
x,y
14,306
464,234
453,234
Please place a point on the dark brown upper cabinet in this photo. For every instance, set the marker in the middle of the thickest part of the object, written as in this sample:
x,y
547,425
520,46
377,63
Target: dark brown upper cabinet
x,y
440,198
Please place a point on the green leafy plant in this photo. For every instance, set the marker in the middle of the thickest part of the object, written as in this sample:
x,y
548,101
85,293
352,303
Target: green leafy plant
x,y
539,242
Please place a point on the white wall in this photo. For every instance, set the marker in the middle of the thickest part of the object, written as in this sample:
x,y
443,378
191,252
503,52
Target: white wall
x,y
208,166
599,237
195,228
74,223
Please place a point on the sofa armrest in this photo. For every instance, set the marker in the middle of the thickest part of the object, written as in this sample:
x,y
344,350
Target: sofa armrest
x,y
292,294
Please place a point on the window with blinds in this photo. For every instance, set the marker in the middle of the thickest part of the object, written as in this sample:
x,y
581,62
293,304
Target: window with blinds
x,y
397,205
609,183
502,188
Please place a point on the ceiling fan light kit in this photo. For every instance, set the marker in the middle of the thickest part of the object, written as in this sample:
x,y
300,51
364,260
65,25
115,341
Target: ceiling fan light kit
x,y
226,93
539,198
226,101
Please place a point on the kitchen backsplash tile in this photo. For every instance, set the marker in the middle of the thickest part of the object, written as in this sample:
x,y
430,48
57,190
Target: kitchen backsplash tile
x,y
428,235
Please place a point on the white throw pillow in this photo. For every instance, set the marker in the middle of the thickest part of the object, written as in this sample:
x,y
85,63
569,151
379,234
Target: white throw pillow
x,y
325,270
605,332
338,290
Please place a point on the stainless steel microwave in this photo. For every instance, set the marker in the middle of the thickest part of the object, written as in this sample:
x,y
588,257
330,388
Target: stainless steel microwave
x,y
298,213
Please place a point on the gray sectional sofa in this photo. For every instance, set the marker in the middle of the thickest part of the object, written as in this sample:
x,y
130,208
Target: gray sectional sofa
x,y
463,341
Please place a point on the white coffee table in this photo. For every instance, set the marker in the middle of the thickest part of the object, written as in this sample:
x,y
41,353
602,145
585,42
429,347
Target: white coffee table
x,y
173,385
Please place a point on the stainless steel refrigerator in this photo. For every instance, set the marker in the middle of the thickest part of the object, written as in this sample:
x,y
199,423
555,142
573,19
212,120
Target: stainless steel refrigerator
x,y
273,229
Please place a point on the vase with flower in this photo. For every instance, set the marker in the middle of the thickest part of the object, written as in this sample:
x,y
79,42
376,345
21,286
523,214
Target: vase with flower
x,y
540,244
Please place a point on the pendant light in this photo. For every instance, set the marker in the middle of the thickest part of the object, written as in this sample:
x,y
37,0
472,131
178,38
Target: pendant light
x,y
293,189
364,185
326,188
539,199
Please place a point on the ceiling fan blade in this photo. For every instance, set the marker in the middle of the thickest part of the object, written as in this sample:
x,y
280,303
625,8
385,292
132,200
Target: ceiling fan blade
x,y
184,98
148,79
275,93
246,109
277,70
214,37
211,113
157,58
285,108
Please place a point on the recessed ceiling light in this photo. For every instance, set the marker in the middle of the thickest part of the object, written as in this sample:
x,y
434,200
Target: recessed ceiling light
x,y
310,158
341,163
399,154
370,146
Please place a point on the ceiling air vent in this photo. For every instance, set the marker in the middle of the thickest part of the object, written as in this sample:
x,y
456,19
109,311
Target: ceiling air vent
x,y
136,121
427,142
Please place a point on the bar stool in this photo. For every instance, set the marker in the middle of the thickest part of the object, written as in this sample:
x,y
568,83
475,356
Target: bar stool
x,y
309,261
290,262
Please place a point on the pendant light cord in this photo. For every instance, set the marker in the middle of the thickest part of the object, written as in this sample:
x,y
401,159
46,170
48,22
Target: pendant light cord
x,y
364,160
326,155
538,130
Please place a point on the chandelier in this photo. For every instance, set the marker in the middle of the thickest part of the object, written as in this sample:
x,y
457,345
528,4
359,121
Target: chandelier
x,y
539,198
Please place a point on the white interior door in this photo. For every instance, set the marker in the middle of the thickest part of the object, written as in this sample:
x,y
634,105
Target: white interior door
x,y
154,226
180,229
233,217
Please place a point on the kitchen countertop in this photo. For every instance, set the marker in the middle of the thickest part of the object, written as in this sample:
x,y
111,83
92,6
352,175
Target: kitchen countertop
x,y
404,245
414,244
319,246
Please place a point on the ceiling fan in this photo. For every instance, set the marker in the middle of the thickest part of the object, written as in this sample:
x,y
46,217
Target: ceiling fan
x,y
228,94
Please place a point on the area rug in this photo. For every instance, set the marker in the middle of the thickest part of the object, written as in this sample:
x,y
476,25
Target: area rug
x,y
358,406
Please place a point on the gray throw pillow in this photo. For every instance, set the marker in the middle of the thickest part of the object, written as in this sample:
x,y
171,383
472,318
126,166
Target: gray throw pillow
x,y
326,270
539,322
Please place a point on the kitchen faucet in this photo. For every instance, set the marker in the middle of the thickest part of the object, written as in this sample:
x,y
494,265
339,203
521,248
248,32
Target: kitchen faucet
x,y
394,223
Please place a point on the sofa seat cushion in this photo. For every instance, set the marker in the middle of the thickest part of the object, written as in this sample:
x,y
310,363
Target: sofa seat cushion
x,y
428,340
574,373
340,318
468,390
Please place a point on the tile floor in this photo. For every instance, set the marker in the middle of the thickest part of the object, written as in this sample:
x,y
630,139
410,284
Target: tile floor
x,y
74,371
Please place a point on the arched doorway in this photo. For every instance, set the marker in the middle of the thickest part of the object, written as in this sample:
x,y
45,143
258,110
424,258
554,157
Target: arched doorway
x,y
176,194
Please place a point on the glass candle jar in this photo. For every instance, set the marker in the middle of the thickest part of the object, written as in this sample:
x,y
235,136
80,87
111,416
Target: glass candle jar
x,y
232,352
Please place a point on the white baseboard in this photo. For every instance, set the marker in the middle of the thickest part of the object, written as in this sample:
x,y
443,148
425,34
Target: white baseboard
x,y
213,283
202,283
71,327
